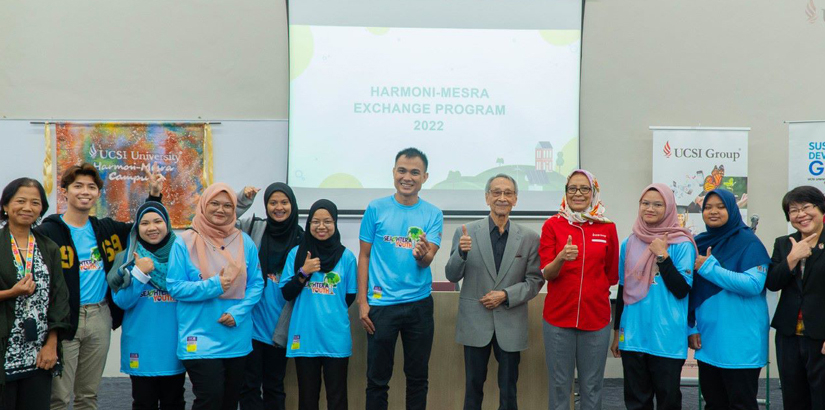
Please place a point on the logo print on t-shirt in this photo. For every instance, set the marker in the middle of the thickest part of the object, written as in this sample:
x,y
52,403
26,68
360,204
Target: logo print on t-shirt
x,y
93,263
296,342
327,285
133,361
405,242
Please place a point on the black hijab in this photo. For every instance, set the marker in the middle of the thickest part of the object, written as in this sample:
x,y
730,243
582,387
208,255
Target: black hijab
x,y
330,250
279,237
154,207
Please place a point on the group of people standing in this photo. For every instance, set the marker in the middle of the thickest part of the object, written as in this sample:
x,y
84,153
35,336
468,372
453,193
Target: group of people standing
x,y
229,300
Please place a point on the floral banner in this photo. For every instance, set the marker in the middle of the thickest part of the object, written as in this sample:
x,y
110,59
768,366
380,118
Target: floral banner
x,y
123,153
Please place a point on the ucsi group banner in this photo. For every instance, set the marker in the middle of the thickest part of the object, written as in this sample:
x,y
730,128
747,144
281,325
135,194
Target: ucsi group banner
x,y
695,161
123,153
806,154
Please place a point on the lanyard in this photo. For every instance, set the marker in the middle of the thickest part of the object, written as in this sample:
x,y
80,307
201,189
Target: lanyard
x,y
18,260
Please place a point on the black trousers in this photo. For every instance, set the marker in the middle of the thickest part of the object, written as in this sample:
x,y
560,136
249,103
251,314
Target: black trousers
x,y
801,372
147,392
32,393
475,372
646,376
216,382
265,365
334,370
414,321
733,389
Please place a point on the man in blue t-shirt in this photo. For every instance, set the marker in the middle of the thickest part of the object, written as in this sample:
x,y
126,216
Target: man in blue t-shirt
x,y
88,246
400,236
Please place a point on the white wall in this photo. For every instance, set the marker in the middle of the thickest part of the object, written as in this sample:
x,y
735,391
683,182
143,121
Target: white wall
x,y
737,63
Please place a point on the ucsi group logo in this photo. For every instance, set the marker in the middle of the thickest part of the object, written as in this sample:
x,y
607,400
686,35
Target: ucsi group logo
x,y
681,152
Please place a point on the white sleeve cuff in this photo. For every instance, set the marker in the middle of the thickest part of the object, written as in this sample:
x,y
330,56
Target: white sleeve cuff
x,y
140,276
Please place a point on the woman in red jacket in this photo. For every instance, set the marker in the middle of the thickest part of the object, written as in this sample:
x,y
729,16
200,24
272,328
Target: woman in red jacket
x,y
579,252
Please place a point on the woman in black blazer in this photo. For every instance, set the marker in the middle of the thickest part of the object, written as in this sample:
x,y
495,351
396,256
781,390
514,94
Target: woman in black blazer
x,y
798,270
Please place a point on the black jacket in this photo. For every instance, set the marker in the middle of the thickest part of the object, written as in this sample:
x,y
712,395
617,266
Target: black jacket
x,y
111,239
807,293
58,314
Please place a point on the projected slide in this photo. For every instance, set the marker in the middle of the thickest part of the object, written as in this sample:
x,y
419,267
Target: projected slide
x,y
477,100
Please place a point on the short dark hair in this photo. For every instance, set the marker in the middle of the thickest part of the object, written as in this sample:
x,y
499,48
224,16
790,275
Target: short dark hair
x,y
805,194
11,189
75,171
413,153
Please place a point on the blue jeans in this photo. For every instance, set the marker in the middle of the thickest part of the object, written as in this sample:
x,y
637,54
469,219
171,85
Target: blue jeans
x,y
414,321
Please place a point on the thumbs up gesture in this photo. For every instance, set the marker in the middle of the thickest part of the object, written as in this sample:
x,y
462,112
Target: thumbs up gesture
x,y
700,260
570,252
465,242
228,275
659,246
311,265
145,264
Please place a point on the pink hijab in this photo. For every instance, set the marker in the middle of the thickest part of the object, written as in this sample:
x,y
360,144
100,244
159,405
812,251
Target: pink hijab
x,y
640,262
204,242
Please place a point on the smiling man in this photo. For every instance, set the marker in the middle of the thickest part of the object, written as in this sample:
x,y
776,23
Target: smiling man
x,y
88,246
400,235
499,262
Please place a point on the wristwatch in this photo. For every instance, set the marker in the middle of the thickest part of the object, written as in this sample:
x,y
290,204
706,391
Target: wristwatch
x,y
660,258
304,275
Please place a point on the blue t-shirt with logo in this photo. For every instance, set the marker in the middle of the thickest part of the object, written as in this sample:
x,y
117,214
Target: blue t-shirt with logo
x,y
149,338
267,312
199,307
393,230
657,324
319,326
734,322
93,285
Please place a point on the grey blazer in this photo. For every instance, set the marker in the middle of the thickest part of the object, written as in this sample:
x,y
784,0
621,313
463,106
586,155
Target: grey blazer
x,y
519,276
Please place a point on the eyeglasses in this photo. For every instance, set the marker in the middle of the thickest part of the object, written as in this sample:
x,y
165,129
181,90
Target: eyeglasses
x,y
583,189
654,205
795,211
316,223
507,194
226,206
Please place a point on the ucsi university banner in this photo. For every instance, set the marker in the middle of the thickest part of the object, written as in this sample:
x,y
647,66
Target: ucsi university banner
x,y
695,161
123,152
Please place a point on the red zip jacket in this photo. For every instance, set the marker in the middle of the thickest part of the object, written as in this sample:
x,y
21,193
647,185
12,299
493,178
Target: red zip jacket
x,y
580,296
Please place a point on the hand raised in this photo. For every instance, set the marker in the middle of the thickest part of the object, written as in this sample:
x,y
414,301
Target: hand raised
x,y
659,246
700,260
465,242
311,265
422,247
145,264
250,191
802,249
570,252
155,180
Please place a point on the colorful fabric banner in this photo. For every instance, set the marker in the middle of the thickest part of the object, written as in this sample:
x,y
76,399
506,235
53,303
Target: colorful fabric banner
x,y
123,152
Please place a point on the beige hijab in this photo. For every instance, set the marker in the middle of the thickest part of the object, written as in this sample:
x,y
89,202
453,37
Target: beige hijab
x,y
205,242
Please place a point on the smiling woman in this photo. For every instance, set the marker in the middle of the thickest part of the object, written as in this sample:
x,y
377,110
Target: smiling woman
x,y
31,281
796,269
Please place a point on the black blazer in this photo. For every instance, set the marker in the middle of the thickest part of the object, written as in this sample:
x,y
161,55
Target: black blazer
x,y
807,293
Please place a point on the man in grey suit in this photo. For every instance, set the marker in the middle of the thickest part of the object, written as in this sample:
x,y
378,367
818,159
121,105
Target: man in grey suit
x,y
499,262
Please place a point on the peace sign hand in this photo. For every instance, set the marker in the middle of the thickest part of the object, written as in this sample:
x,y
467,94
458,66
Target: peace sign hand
x,y
155,179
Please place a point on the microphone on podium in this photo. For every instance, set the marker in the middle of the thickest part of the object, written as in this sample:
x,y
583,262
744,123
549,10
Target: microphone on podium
x,y
754,222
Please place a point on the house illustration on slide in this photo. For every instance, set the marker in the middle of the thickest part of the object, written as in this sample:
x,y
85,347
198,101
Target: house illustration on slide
x,y
544,156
